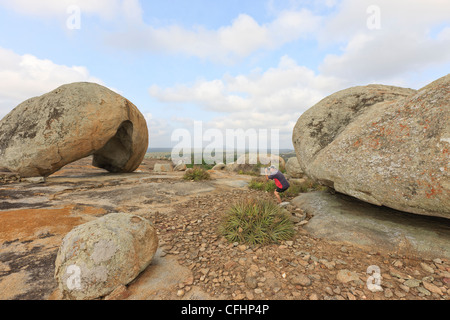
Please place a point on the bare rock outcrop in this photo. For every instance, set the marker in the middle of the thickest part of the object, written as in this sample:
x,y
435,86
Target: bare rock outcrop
x,y
43,134
384,145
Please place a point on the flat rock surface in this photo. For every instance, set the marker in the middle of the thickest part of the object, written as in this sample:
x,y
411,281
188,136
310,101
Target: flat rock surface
x,y
342,218
193,260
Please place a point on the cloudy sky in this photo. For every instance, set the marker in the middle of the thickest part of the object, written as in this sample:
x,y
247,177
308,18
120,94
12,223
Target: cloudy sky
x,y
236,64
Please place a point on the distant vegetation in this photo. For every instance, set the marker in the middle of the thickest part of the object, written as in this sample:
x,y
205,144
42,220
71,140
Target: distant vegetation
x,y
204,165
196,174
253,170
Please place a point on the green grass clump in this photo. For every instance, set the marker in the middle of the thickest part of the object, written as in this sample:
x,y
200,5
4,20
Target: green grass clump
x,y
256,222
256,184
262,184
196,174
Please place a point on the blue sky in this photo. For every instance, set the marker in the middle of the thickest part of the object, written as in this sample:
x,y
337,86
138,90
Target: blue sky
x,y
232,64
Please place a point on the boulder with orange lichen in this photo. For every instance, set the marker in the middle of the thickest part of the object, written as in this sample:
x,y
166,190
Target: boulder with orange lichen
x,y
384,145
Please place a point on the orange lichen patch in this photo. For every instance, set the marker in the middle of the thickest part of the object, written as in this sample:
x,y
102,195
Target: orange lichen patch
x,y
142,167
13,285
433,192
357,143
25,224
375,143
91,211
82,166
76,169
434,188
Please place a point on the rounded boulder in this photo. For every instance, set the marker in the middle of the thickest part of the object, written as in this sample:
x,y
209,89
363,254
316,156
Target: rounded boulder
x,y
97,257
43,134
384,145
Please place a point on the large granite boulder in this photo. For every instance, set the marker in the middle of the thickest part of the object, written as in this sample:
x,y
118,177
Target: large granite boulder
x,y
76,120
293,168
97,257
384,145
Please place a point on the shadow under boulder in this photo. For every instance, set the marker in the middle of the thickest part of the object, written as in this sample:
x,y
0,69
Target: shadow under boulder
x,y
117,152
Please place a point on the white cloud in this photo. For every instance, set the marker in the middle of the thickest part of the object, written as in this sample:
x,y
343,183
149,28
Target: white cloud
x,y
26,76
241,38
412,37
106,9
288,87
415,16
159,130
375,58
273,99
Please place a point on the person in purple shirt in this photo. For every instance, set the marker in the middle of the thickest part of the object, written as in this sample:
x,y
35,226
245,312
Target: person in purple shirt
x,y
280,180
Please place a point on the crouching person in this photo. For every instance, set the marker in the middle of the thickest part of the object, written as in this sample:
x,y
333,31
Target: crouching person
x,y
280,180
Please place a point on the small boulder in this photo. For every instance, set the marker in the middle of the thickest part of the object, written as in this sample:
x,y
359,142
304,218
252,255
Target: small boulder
x,y
181,166
98,257
293,168
163,167
219,166
345,276
301,280
35,180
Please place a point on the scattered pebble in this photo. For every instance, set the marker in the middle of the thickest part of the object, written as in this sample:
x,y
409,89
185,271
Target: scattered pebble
x,y
291,269
426,267
304,268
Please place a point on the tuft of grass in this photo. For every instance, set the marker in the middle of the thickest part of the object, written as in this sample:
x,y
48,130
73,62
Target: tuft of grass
x,y
196,174
251,169
308,185
262,184
256,222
